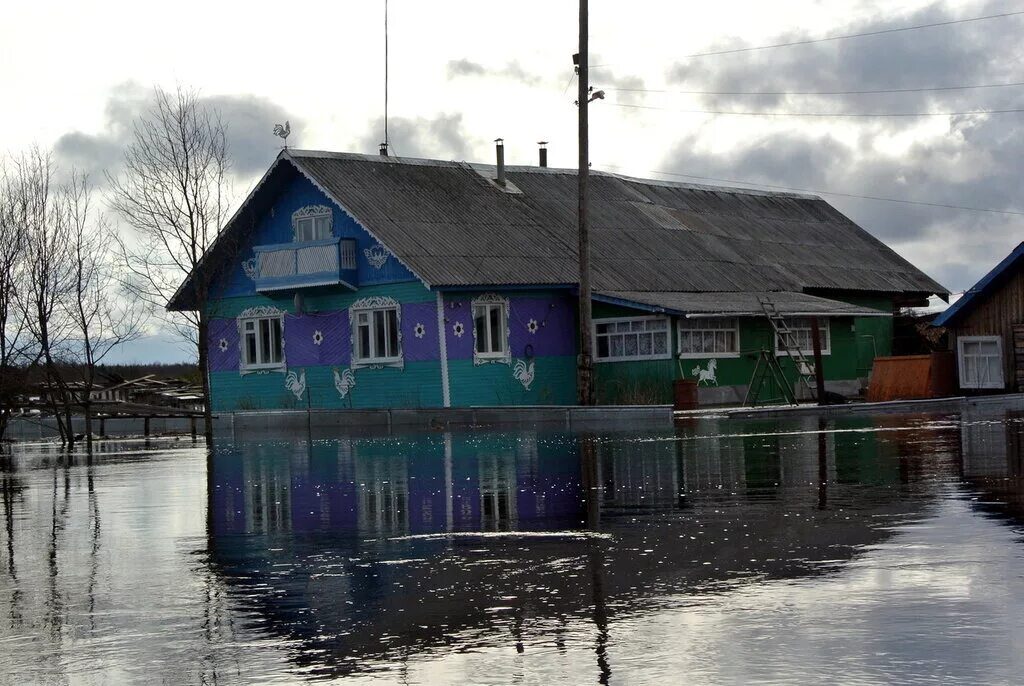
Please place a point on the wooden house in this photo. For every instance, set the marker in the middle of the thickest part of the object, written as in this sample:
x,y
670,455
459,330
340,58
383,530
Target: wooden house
x,y
986,327
355,281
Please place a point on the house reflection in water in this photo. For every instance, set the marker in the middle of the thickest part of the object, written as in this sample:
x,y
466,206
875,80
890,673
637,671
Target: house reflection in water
x,y
364,550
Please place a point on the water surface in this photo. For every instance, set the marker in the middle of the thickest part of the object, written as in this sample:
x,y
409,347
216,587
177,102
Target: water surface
x,y
882,549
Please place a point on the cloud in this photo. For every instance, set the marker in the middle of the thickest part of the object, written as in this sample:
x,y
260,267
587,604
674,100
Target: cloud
x,y
512,70
249,120
440,137
973,161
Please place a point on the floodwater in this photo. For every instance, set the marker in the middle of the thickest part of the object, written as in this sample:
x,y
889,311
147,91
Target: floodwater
x,y
864,550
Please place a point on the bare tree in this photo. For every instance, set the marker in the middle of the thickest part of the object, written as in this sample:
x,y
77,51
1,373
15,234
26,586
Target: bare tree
x,y
98,313
46,276
15,342
174,193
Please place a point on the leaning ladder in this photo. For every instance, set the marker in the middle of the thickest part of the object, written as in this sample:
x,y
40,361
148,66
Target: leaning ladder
x,y
787,341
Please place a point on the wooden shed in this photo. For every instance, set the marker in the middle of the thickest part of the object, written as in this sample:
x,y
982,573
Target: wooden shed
x,y
986,328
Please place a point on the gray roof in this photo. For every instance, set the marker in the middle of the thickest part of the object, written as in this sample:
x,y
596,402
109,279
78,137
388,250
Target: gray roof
x,y
738,304
453,227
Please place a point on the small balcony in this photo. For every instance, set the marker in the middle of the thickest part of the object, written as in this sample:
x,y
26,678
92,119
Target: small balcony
x,y
330,262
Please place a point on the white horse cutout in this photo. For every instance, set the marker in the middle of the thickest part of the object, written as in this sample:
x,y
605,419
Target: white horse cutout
x,y
706,375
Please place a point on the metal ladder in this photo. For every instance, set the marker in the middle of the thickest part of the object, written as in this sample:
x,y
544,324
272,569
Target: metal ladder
x,y
805,370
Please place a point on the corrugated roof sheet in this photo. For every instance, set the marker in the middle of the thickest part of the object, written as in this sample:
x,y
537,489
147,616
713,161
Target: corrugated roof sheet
x,y
454,227
738,304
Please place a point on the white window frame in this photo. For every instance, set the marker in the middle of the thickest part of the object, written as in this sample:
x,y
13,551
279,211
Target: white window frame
x,y
370,312
1000,383
244,332
307,217
667,355
692,324
824,327
487,303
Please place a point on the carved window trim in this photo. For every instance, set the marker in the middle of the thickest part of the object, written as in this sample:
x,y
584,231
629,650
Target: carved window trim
x,y
374,304
256,314
505,356
312,212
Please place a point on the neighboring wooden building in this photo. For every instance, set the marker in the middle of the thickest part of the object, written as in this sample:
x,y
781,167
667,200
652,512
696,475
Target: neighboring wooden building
x,y
986,327
363,281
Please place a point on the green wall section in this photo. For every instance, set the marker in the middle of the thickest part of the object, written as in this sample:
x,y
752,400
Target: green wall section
x,y
855,342
554,383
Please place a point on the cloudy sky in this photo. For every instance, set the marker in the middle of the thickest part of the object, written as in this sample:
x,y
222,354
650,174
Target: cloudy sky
x,y
74,76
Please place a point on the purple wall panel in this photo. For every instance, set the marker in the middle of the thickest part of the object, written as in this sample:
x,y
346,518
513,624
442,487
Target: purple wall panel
x,y
424,316
458,312
300,339
555,327
224,351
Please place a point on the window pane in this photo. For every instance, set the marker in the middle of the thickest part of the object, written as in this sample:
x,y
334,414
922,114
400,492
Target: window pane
x,y
379,337
322,227
264,341
616,346
644,341
250,346
602,346
630,345
497,342
604,328
276,339
661,343
480,322
392,316
364,341
685,345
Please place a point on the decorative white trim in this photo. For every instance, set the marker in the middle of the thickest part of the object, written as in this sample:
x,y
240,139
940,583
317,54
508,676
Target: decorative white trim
x,y
531,326
446,395
419,330
223,345
523,372
504,357
376,255
295,383
251,268
344,381
376,302
458,328
312,211
318,337
259,312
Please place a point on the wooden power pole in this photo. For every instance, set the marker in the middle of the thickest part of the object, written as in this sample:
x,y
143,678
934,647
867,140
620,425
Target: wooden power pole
x,y
585,366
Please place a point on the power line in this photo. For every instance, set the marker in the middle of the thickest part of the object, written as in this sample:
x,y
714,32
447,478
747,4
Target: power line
x,y
864,34
859,92
819,114
833,193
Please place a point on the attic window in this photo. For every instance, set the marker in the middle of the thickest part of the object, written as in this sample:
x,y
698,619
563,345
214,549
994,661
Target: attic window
x,y
312,223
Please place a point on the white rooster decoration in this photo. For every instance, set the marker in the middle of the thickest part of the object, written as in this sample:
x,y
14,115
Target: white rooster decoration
x,y
296,383
344,382
523,373
283,131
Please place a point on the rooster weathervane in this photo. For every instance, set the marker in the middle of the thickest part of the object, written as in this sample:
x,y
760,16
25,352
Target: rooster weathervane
x,y
282,131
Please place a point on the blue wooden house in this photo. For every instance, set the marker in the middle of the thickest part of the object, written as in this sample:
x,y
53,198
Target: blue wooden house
x,y
355,281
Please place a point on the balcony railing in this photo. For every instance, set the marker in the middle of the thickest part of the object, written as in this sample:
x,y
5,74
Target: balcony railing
x,y
304,265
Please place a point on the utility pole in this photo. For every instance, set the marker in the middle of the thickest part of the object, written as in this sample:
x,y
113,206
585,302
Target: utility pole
x,y
585,365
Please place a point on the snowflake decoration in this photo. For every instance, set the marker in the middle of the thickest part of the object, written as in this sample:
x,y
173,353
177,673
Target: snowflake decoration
x,y
458,329
318,338
531,326
420,330
223,345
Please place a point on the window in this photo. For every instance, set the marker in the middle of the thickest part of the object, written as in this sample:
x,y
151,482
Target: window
x,y
800,330
313,228
981,361
490,328
714,337
376,336
312,223
635,338
262,343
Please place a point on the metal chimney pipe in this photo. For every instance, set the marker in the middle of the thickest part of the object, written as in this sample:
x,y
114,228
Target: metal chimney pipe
x,y
500,149
543,153
384,149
